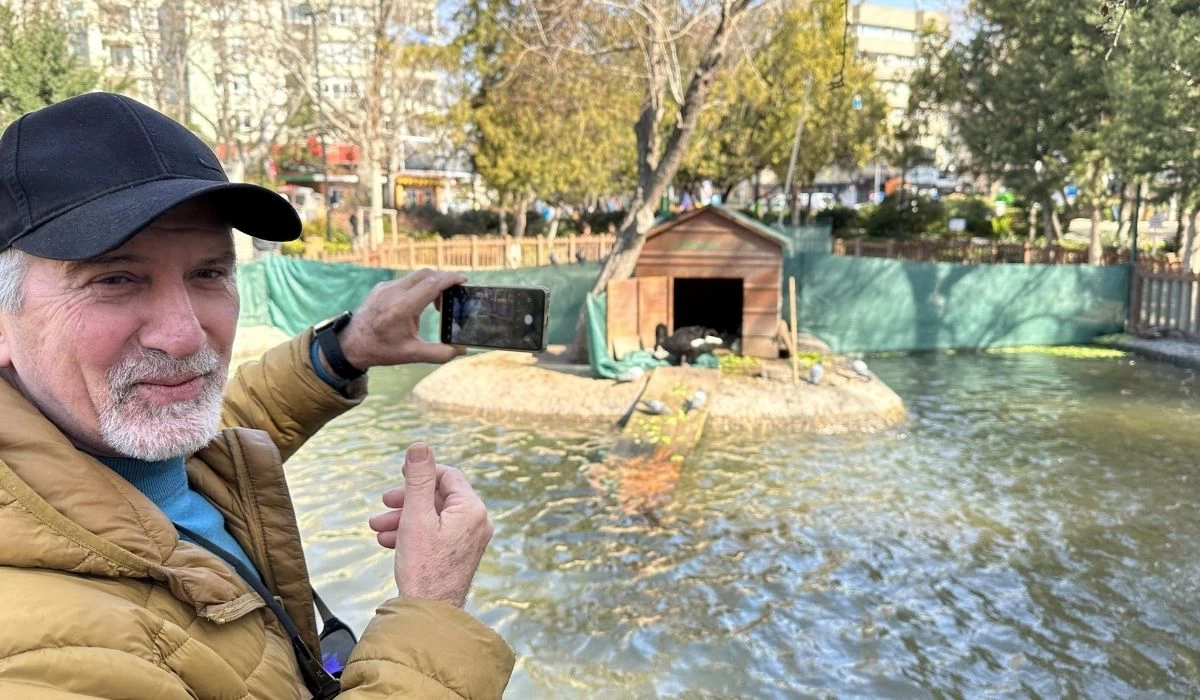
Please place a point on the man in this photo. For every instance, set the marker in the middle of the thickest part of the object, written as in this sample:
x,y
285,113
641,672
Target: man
x,y
118,309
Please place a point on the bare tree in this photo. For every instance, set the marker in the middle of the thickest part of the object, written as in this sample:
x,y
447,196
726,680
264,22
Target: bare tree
x,y
659,28
372,86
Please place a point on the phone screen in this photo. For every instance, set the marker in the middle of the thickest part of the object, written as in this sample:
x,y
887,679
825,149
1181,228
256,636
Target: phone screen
x,y
504,318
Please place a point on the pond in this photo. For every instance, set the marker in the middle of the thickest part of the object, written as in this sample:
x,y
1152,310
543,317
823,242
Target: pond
x,y
1032,530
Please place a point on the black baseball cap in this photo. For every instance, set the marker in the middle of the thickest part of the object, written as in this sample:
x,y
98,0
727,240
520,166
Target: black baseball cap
x,y
81,177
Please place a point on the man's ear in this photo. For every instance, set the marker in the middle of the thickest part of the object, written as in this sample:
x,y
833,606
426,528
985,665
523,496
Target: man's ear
x,y
5,344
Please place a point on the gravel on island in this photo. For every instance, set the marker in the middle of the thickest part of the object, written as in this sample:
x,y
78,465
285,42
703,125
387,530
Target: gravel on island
x,y
522,386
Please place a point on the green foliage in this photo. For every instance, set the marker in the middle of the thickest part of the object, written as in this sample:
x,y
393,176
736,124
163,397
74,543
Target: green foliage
x,y
906,216
731,364
1076,352
1002,226
843,220
536,126
36,69
750,123
293,248
977,212
1025,91
339,241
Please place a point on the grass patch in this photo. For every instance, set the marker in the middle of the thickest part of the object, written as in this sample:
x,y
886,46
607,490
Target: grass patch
x,y
738,364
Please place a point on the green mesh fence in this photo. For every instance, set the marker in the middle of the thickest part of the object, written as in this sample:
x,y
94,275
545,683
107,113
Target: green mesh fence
x,y
872,304
293,294
854,304
807,239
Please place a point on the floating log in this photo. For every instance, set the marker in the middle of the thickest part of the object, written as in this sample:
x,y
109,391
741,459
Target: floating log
x,y
646,462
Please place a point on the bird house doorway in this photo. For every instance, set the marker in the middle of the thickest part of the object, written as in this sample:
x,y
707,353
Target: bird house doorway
x,y
714,303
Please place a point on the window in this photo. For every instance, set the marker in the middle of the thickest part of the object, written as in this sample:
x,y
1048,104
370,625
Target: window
x,y
299,13
117,19
120,55
339,87
239,85
242,121
77,44
870,31
341,52
340,15
237,50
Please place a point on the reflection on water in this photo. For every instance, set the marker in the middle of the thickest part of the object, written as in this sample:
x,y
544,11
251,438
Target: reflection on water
x,y
1032,531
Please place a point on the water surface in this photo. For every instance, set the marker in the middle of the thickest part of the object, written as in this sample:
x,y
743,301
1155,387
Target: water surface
x,y
1032,531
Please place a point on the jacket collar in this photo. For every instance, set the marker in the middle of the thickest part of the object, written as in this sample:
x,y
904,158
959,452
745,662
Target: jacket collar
x,y
62,509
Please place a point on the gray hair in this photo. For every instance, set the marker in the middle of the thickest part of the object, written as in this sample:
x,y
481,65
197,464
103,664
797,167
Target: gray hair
x,y
13,265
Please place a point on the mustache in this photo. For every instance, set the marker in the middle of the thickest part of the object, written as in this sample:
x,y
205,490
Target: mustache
x,y
145,364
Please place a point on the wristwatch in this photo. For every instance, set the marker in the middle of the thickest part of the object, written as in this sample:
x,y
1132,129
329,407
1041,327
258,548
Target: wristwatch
x,y
327,339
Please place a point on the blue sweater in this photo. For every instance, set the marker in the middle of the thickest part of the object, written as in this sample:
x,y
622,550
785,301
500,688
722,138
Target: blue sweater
x,y
166,484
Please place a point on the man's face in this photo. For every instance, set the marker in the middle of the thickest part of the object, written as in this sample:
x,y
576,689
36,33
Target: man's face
x,y
128,353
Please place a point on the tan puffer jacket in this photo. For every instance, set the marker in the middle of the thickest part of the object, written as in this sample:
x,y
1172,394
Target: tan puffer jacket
x,y
100,599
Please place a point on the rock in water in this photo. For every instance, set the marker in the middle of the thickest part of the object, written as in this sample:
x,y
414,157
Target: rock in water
x,y
860,368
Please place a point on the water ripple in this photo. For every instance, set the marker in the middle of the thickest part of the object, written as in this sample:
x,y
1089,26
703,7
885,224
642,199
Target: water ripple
x,y
1033,530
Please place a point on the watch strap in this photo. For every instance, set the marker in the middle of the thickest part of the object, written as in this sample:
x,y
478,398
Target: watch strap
x,y
328,340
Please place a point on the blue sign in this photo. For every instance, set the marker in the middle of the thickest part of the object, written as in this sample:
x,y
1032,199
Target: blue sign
x,y
857,102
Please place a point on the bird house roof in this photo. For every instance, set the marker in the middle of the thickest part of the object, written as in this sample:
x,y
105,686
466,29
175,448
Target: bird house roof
x,y
741,220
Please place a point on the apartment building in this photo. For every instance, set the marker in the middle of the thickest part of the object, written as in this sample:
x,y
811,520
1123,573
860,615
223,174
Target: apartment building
x,y
237,72
890,39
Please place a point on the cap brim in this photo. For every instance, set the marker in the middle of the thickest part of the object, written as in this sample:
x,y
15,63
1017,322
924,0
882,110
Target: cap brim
x,y
106,223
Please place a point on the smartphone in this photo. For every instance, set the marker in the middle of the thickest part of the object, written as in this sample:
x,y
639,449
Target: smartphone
x,y
497,318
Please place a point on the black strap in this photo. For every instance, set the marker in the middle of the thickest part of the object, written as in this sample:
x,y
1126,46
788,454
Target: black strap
x,y
320,683
328,340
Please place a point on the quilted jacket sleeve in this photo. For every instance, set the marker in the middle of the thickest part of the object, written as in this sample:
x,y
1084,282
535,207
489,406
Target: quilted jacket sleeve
x,y
282,395
426,649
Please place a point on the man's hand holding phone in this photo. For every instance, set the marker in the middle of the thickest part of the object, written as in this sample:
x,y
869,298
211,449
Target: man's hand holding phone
x,y
386,329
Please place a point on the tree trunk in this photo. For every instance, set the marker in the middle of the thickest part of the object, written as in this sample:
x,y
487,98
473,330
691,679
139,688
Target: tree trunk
x,y
1095,246
376,202
1189,256
757,190
655,169
503,221
1031,217
1048,221
554,221
521,216
1121,214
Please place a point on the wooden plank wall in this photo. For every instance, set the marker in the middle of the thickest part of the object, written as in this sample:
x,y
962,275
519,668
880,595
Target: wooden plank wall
x,y
712,247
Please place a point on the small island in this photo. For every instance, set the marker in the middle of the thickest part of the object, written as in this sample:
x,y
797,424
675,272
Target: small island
x,y
756,396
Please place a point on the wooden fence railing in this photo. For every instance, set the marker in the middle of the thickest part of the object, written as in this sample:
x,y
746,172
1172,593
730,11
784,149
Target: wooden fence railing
x,y
474,252
1164,300
969,252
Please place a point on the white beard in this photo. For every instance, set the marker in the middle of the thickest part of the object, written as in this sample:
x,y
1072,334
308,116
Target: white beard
x,y
137,429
